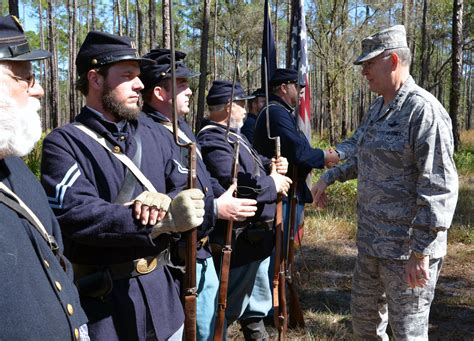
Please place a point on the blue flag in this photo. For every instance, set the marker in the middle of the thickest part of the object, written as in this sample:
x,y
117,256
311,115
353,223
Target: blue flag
x,y
268,47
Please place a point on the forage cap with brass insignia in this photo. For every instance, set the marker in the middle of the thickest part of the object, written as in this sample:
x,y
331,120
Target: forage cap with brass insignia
x,y
153,74
13,43
101,48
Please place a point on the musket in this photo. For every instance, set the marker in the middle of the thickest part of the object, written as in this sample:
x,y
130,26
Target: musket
x,y
190,289
227,249
296,318
278,283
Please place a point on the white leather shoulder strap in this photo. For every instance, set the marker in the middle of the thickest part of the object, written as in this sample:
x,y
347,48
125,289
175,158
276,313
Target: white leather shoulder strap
x,y
122,157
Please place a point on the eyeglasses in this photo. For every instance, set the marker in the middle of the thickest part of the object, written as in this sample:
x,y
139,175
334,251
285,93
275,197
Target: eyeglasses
x,y
368,64
30,80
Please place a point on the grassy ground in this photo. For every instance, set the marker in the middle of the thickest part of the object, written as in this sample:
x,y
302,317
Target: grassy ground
x,y
328,255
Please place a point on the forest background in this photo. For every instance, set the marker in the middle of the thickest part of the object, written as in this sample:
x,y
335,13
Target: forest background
x,y
440,36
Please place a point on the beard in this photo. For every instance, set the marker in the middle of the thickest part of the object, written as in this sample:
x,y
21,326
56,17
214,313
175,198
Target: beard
x,y
119,109
20,127
236,124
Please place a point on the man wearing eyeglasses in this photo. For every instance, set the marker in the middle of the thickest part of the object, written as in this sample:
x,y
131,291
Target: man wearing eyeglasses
x,y
38,299
402,156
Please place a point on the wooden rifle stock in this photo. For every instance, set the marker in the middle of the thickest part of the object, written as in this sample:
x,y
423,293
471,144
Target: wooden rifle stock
x,y
296,318
225,261
279,286
190,288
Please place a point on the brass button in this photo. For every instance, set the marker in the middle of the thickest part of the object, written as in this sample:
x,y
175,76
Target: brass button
x,y
58,286
116,149
76,333
122,138
206,189
70,309
46,263
94,61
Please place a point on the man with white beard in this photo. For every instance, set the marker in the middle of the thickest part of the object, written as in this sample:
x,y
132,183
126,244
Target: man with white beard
x,y
38,298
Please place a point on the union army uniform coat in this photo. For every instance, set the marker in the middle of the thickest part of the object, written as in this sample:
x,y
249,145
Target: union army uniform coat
x,y
253,238
294,144
83,181
38,300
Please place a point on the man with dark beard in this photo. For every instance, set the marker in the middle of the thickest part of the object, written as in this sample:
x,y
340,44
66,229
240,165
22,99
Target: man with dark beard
x,y
38,298
93,169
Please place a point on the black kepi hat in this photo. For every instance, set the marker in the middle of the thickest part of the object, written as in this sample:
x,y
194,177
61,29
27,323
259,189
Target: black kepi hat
x,y
100,48
13,43
284,76
221,90
151,75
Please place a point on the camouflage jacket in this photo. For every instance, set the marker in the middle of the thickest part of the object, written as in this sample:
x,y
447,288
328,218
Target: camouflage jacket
x,y
402,156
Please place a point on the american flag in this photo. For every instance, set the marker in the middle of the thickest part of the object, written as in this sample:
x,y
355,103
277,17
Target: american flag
x,y
299,61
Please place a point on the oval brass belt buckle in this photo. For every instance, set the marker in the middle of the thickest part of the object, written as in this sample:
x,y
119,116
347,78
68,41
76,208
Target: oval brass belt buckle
x,y
144,266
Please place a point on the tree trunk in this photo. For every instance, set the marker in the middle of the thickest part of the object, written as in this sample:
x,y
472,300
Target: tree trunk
x,y
456,69
45,112
53,62
152,21
214,40
469,92
140,28
165,11
425,54
127,21
206,13
93,27
118,17
13,8
72,26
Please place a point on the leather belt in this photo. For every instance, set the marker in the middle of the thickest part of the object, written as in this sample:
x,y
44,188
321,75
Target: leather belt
x,y
137,267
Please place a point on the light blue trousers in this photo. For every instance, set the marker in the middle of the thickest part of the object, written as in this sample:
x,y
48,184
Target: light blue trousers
x,y
249,294
207,289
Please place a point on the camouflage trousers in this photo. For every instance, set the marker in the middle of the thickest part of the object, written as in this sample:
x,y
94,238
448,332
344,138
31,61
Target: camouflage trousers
x,y
381,296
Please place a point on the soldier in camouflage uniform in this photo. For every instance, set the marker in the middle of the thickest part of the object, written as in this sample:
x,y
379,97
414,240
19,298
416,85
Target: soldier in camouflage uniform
x,y
402,156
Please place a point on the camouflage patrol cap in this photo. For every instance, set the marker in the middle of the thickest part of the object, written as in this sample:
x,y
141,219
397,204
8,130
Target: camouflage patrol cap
x,y
394,37
13,43
100,48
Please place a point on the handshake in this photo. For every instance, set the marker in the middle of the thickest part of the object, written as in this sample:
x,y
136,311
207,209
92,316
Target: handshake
x,y
331,157
164,215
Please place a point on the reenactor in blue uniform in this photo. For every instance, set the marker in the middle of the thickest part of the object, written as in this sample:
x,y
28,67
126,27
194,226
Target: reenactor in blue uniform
x,y
402,157
295,146
254,106
158,107
38,299
249,294
92,170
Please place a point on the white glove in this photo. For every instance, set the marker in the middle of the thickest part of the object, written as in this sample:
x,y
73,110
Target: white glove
x,y
150,207
185,212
